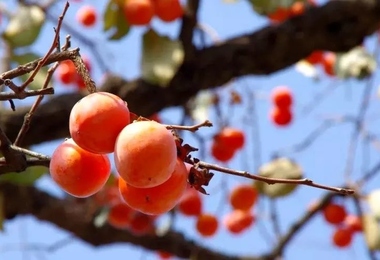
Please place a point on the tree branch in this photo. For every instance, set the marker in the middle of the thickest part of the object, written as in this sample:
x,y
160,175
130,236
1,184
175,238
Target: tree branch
x,y
336,26
76,217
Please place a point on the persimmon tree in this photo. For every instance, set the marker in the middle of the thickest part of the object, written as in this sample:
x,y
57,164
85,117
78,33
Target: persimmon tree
x,y
122,167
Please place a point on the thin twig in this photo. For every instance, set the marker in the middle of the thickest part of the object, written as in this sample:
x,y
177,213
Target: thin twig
x,y
28,117
27,93
245,174
193,128
52,48
30,153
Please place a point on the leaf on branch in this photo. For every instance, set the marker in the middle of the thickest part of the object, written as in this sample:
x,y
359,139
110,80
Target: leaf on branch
x,y
161,58
283,168
101,219
24,26
27,177
373,200
265,7
357,63
40,78
200,105
114,20
307,69
371,232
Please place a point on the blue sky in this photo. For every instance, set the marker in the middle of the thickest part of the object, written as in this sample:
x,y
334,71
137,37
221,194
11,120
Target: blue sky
x,y
324,161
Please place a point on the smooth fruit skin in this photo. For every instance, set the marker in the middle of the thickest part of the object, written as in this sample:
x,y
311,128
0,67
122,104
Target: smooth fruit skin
x,y
190,203
231,137
207,225
120,216
328,62
96,121
243,197
77,171
342,237
138,12
281,116
238,220
66,72
145,154
282,97
168,10
354,223
334,213
220,152
160,199
87,15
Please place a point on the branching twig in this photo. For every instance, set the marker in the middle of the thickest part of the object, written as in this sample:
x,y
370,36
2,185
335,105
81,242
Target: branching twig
x,y
244,174
193,128
25,94
42,62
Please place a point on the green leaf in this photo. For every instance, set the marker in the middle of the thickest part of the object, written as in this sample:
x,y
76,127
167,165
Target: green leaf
x,y
114,20
373,200
27,177
24,26
265,7
371,232
40,78
161,58
283,168
357,63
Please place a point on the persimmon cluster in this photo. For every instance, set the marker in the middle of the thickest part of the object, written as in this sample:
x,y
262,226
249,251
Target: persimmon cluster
x,y
282,99
152,177
226,143
345,224
141,12
242,199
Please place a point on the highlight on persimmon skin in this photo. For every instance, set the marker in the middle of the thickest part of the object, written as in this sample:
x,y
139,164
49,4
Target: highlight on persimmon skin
x,y
159,199
77,171
145,154
238,221
96,120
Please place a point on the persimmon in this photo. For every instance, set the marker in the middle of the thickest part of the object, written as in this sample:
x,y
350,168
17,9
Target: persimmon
x,y
279,15
120,215
231,137
141,223
96,120
159,199
281,116
282,97
164,255
315,57
334,213
190,203
243,197
108,196
66,72
138,12
207,225
168,10
238,220
87,15
354,223
342,237
328,63
77,171
145,154
297,8
220,152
